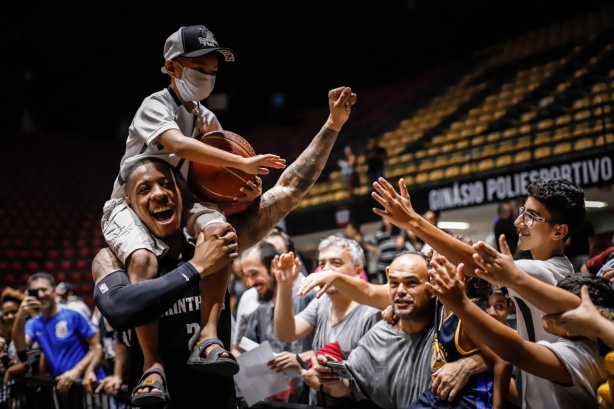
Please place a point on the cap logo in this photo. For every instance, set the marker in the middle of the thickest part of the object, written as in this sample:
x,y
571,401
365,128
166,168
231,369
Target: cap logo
x,y
206,38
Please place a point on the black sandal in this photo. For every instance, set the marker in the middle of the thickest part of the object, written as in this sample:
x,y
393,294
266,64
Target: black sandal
x,y
151,398
213,363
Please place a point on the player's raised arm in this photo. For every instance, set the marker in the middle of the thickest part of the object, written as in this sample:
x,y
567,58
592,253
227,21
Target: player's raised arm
x,y
294,183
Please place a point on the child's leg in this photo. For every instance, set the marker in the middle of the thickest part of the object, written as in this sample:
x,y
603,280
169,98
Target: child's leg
x,y
143,265
138,250
213,290
209,356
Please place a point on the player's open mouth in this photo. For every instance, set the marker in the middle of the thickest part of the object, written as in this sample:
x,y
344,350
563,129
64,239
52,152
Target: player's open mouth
x,y
521,234
163,215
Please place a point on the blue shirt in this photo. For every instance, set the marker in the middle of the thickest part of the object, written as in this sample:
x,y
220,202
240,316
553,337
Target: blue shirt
x,y
63,339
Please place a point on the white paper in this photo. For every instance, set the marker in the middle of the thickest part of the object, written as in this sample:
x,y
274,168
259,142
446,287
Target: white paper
x,y
247,344
256,380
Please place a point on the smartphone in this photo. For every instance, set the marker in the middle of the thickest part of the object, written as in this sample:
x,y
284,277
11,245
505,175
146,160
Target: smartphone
x,y
302,363
32,292
340,368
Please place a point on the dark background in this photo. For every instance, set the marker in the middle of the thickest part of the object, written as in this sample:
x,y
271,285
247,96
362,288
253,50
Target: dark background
x,y
84,70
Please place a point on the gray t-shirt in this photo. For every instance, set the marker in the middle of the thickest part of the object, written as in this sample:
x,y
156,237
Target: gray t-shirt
x,y
391,368
347,331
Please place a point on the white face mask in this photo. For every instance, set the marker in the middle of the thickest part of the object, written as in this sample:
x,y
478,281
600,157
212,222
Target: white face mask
x,y
194,85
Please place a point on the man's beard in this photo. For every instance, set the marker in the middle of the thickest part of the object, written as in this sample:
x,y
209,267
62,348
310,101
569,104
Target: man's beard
x,y
267,296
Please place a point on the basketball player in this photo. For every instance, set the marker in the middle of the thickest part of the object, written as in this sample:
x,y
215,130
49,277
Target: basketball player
x,y
168,125
173,297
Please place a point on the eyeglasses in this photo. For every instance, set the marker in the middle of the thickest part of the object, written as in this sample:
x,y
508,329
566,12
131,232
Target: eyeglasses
x,y
529,219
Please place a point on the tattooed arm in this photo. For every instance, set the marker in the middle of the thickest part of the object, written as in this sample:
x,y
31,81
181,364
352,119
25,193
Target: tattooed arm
x,y
275,204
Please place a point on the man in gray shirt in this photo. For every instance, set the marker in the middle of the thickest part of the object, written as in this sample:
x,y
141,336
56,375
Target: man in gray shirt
x,y
334,316
391,363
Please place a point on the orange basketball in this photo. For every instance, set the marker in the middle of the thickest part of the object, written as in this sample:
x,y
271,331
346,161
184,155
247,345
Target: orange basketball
x,y
217,184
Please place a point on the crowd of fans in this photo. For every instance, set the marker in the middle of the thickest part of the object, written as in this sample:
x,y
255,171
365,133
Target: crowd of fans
x,y
384,321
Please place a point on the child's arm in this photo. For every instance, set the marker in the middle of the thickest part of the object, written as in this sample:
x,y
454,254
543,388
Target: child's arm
x,y
196,151
490,333
374,295
501,386
499,268
585,320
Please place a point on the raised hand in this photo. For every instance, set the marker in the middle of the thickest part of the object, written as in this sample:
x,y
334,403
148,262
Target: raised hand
x,y
323,279
495,267
286,268
397,207
340,102
447,282
580,321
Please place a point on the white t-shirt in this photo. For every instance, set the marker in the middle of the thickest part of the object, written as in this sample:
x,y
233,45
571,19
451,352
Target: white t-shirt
x,y
587,368
537,393
158,113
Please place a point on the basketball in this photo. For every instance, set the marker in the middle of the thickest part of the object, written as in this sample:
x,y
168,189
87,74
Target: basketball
x,y
217,184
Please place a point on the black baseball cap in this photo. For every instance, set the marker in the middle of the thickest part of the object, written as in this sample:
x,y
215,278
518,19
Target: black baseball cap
x,y
194,41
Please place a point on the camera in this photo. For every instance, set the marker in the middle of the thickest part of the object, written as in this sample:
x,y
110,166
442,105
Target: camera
x,y
340,368
33,292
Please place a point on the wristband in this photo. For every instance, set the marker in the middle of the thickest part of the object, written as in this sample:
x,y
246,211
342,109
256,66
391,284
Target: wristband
x,y
22,355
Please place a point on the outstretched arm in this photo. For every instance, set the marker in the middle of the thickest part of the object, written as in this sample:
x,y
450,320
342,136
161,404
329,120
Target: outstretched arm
x,y
499,268
586,320
490,333
294,183
397,208
374,295
199,152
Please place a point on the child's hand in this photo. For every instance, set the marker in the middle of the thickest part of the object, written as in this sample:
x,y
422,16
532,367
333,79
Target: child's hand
x,y
251,191
257,165
388,315
446,281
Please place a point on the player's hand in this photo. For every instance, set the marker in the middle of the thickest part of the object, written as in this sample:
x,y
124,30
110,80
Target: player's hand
x,y
251,191
215,246
340,102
